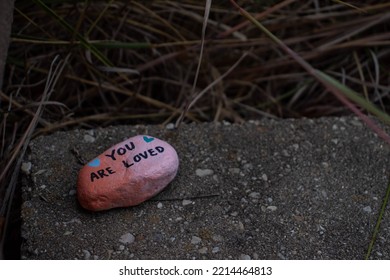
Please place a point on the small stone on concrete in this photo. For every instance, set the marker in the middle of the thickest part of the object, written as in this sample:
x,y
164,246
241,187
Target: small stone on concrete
x,y
195,240
217,238
72,192
245,257
367,209
234,214
26,167
204,172
203,250
170,126
234,170
215,250
127,174
248,166
272,208
186,202
127,238
254,195
89,139
87,254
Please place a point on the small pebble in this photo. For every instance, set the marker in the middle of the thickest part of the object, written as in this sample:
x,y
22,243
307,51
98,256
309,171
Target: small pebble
x,y
26,167
282,257
186,202
89,139
159,205
272,208
204,172
234,214
234,170
87,254
127,238
170,126
367,209
203,250
254,195
195,240
248,166
245,257
217,238
215,250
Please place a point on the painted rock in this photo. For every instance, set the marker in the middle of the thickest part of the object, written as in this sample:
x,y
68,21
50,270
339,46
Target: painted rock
x,y
127,174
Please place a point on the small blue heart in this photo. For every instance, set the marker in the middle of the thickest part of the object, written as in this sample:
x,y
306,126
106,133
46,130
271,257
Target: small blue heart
x,y
148,139
94,163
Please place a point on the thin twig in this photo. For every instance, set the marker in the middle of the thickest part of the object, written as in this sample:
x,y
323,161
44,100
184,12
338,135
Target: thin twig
x,y
216,81
188,106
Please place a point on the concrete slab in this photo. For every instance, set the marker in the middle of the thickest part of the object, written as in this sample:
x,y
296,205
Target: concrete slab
x,y
277,189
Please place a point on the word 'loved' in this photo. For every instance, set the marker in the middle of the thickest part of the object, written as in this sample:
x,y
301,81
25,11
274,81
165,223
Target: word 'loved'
x,y
144,155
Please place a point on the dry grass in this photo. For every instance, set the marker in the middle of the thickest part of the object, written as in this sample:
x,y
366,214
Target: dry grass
x,y
135,62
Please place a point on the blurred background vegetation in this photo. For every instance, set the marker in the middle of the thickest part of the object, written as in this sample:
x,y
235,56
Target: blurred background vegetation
x,y
134,62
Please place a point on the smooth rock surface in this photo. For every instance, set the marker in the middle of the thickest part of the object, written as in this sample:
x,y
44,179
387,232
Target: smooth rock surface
x,y
127,174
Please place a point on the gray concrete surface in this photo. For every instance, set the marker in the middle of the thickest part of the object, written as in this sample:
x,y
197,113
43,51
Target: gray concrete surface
x,y
278,189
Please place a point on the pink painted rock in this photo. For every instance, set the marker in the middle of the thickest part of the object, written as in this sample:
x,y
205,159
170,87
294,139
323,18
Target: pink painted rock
x,y
127,174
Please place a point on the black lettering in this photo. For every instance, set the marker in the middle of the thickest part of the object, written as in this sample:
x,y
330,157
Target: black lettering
x,y
152,152
137,158
126,164
110,171
132,147
112,155
144,155
94,176
101,173
159,149
121,151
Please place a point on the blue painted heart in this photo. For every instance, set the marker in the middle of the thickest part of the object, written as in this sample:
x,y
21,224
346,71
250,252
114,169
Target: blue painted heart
x,y
148,139
94,163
